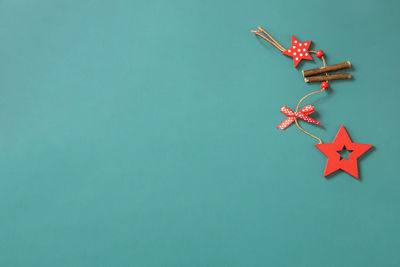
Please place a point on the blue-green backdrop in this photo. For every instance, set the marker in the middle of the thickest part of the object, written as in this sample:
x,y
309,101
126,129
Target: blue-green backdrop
x,y
143,133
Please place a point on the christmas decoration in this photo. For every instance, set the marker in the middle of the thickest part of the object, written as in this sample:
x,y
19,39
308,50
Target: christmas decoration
x,y
302,114
298,51
335,161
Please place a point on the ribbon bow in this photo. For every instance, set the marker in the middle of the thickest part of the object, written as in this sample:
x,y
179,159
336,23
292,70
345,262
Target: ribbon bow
x,y
302,114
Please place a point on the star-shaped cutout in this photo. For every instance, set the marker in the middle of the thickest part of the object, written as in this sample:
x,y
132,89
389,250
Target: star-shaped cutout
x,y
344,153
298,51
335,161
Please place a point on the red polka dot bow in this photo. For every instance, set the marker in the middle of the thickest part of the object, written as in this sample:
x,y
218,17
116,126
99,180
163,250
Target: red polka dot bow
x,y
302,114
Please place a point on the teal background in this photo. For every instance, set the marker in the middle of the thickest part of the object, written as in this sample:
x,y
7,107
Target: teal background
x,y
143,133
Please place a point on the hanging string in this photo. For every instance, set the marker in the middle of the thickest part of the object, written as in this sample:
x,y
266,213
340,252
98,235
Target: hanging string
x,y
268,38
301,100
297,109
323,59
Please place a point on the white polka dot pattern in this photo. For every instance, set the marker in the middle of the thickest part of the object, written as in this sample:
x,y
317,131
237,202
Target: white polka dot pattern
x,y
302,114
296,48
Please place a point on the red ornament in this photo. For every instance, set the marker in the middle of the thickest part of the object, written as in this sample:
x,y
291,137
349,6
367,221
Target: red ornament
x,y
335,161
302,114
298,51
319,53
324,85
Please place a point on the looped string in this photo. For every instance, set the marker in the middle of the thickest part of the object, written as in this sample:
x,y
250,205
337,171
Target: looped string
x,y
297,109
301,100
268,38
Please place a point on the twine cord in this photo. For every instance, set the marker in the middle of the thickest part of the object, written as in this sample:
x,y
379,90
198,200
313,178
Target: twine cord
x,y
268,37
297,109
301,100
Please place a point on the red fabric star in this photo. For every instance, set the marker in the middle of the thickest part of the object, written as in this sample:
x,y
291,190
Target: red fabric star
x,y
298,51
335,162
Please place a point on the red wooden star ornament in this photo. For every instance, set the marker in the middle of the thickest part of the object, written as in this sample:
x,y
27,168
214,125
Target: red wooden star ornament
x,y
335,161
298,51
